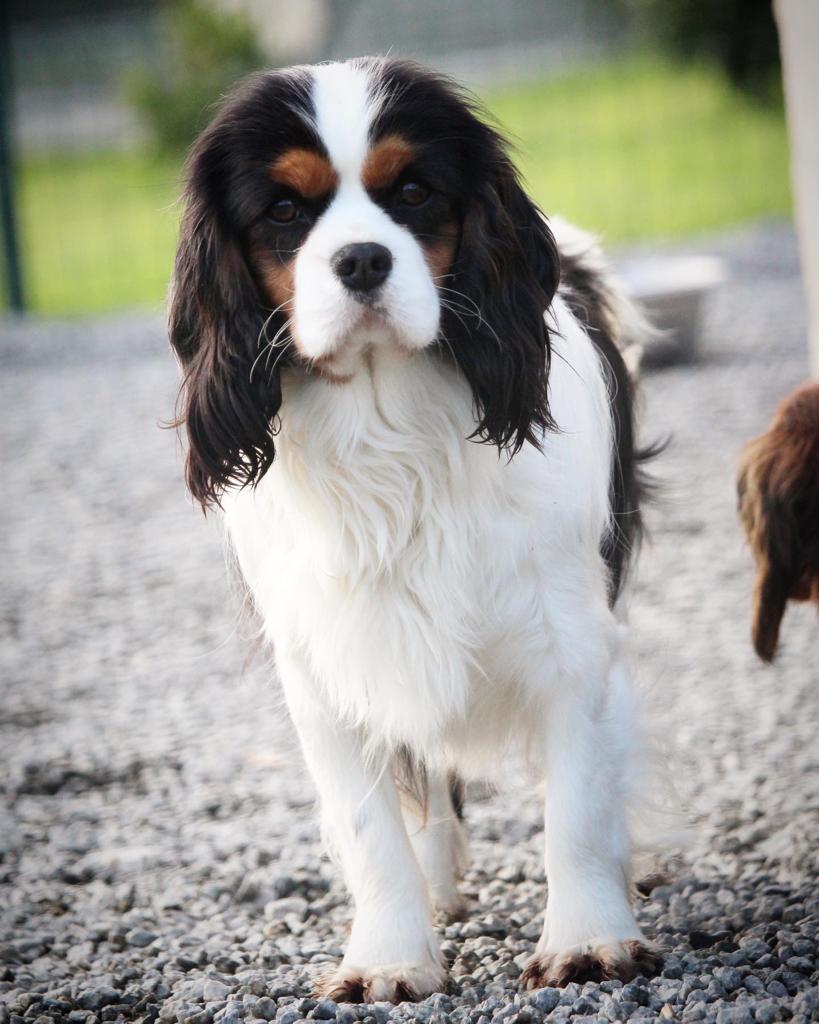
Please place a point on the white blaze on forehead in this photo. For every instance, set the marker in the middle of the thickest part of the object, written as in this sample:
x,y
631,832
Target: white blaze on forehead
x,y
344,108
327,319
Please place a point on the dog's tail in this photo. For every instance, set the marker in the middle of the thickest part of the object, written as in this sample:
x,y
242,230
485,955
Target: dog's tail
x,y
778,494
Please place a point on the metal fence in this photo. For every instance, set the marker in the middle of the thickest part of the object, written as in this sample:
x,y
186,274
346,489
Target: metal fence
x,y
609,132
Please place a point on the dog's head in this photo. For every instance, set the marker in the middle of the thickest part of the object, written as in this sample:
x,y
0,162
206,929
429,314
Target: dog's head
x,y
335,208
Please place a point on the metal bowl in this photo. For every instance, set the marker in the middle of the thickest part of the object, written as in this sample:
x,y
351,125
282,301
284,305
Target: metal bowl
x,y
670,290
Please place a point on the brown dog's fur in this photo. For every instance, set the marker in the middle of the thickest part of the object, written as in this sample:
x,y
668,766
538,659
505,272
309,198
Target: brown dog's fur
x,y
778,487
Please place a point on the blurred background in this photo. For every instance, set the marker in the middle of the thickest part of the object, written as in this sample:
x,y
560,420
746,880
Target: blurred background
x,y
637,119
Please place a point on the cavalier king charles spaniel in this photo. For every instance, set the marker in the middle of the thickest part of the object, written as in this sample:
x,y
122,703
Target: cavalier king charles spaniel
x,y
406,392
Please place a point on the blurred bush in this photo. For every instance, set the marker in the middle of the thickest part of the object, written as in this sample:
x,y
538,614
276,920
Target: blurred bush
x,y
739,35
208,51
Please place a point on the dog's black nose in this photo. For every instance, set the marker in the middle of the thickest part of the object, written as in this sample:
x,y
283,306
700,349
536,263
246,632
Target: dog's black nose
x,y
363,266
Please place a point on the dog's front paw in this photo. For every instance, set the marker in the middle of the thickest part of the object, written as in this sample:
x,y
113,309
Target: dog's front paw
x,y
592,961
390,983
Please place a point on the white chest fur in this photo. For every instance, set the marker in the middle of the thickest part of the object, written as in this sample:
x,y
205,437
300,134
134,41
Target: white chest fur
x,y
408,566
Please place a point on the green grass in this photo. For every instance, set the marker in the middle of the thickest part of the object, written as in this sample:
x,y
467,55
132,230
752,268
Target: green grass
x,y
643,149
98,231
631,150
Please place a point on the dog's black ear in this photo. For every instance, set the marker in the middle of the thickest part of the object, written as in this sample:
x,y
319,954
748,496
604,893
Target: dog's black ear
x,y
215,322
507,268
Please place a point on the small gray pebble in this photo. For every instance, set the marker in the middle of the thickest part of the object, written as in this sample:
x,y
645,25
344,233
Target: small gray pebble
x,y
288,1015
266,1008
696,1011
735,1015
95,998
545,999
140,937
730,978
213,990
634,994
807,1001
766,1011
325,1009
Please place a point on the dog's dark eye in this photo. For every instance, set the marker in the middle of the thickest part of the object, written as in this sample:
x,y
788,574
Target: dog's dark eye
x,y
413,193
284,211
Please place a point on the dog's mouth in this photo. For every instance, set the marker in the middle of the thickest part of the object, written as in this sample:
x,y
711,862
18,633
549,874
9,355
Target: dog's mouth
x,y
371,314
370,326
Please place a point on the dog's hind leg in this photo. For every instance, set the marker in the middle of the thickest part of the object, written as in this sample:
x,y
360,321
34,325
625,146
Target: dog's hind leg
x,y
439,840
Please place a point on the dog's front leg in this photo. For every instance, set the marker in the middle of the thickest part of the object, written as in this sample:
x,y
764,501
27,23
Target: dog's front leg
x,y
589,932
392,952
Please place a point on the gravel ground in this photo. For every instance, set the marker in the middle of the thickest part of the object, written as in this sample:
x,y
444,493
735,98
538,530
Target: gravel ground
x,y
159,857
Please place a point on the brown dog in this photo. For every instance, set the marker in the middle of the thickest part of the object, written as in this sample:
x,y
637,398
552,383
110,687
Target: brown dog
x,y
778,487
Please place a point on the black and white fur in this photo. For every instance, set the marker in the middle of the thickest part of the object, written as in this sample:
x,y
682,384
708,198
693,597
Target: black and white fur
x,y
431,488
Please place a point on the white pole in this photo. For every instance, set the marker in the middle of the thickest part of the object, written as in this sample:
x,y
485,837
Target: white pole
x,y
798,22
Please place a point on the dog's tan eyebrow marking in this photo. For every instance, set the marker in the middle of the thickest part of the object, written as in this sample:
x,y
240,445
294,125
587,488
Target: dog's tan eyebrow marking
x,y
385,161
305,171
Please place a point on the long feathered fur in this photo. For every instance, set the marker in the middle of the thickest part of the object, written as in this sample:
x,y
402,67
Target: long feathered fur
x,y
445,493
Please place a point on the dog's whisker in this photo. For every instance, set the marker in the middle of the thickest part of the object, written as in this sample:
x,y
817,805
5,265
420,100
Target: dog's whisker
x,y
255,363
454,311
266,350
273,312
464,296
442,337
280,355
275,343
